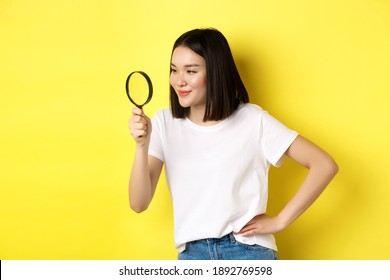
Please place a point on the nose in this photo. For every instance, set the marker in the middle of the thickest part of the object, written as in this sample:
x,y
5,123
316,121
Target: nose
x,y
180,80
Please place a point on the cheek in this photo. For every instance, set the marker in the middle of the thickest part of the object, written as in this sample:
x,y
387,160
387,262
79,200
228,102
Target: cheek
x,y
204,85
200,82
171,80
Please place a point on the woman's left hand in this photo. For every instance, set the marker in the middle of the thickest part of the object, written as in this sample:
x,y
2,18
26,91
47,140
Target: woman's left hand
x,y
262,224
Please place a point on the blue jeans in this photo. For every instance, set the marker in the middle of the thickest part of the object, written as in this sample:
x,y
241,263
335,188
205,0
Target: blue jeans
x,y
225,248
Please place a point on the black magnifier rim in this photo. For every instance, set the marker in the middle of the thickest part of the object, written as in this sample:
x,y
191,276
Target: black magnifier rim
x,y
149,85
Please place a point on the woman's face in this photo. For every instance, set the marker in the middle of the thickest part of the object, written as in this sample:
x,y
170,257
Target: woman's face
x,y
188,77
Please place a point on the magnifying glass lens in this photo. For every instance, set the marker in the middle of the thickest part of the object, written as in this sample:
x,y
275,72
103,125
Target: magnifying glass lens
x,y
138,88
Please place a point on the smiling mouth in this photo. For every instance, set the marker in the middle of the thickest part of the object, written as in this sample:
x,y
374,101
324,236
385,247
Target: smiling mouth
x,y
183,92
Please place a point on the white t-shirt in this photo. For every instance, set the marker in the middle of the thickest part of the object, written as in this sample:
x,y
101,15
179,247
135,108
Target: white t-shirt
x,y
218,175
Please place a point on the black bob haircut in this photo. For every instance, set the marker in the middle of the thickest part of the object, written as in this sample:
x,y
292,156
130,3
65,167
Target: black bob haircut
x,y
224,87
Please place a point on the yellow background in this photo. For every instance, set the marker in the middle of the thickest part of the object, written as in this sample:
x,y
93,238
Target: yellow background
x,y
321,67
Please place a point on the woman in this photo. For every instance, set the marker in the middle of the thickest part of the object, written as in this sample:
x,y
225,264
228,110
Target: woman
x,y
217,149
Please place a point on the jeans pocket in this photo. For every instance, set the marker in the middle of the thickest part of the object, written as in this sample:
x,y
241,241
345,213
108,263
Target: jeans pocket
x,y
256,250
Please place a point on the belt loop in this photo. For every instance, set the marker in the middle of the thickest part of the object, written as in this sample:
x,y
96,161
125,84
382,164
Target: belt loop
x,y
231,237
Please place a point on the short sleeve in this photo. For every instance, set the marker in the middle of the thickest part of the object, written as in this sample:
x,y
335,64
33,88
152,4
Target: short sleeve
x,y
156,143
276,138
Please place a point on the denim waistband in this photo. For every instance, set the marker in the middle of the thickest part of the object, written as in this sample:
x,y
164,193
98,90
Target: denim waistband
x,y
225,248
227,237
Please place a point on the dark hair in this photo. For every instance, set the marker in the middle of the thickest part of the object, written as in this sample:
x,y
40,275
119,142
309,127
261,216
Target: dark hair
x,y
225,89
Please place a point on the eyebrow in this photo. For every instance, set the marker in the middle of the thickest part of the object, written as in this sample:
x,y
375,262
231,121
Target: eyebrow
x,y
187,65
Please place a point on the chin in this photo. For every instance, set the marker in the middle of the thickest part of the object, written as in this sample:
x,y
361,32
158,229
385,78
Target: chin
x,y
184,104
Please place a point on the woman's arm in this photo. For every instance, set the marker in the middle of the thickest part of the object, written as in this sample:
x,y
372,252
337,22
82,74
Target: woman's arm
x,y
143,180
322,169
146,169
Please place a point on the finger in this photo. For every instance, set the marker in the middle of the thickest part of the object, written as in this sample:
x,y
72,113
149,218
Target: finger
x,y
248,233
138,138
137,111
137,131
138,134
246,228
143,120
139,119
139,126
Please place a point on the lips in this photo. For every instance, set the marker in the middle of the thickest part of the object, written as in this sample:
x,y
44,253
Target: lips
x,y
183,93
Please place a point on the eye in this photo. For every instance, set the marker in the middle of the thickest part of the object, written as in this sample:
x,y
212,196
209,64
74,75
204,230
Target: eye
x,y
191,72
173,70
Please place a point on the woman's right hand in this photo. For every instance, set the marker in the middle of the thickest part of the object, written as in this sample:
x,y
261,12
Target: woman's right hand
x,y
140,127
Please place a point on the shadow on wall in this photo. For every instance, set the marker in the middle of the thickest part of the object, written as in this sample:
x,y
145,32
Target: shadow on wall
x,y
341,223
329,228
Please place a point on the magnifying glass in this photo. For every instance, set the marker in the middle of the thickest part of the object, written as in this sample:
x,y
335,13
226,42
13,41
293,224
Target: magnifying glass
x,y
139,92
